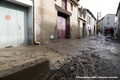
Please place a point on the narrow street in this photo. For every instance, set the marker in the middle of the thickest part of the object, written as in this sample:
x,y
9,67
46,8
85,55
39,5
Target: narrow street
x,y
59,40
85,57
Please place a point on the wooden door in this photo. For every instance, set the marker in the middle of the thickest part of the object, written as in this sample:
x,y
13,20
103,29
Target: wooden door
x,y
83,31
61,27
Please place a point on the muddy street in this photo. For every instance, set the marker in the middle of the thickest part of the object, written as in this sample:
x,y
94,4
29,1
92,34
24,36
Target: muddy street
x,y
91,58
59,40
97,58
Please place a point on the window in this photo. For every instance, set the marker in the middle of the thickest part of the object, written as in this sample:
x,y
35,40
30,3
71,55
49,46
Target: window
x,y
108,23
88,20
108,17
71,6
64,4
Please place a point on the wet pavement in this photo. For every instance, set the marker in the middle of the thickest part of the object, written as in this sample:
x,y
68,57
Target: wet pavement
x,y
85,57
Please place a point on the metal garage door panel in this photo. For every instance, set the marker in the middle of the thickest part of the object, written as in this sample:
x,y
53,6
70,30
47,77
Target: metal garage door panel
x,y
22,25
13,24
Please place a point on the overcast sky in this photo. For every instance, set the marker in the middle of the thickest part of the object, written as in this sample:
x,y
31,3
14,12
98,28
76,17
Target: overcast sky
x,y
103,6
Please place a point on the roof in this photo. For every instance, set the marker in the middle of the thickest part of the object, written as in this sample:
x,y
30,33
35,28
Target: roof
x,y
105,16
101,19
118,9
90,13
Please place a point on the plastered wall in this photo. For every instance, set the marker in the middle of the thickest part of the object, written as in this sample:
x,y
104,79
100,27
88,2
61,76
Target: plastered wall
x,y
46,19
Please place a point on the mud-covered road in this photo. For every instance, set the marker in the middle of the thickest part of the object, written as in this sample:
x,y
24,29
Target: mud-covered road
x,y
93,58
98,59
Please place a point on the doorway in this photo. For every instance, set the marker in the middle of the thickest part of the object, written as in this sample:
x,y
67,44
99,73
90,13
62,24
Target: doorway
x,y
83,31
63,26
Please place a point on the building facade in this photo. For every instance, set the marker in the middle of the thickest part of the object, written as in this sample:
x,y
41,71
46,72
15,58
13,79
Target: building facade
x,y
16,22
90,23
81,23
55,19
107,22
94,24
39,21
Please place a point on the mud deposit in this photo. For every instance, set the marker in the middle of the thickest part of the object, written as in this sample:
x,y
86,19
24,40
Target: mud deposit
x,y
86,57
37,72
88,65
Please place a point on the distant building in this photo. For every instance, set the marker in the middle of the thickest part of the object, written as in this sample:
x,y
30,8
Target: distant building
x,y
90,23
94,25
81,23
107,22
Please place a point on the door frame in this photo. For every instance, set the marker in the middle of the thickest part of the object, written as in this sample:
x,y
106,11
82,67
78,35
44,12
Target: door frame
x,y
67,32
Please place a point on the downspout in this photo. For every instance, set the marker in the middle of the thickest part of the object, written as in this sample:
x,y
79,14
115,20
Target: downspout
x,y
34,24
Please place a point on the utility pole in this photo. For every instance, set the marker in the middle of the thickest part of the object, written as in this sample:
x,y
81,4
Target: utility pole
x,y
100,14
97,19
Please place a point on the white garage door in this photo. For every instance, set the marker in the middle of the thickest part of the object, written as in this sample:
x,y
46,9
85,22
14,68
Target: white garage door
x,y
13,24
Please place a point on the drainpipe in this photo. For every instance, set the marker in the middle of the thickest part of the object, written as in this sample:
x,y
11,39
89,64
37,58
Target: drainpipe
x,y
34,24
